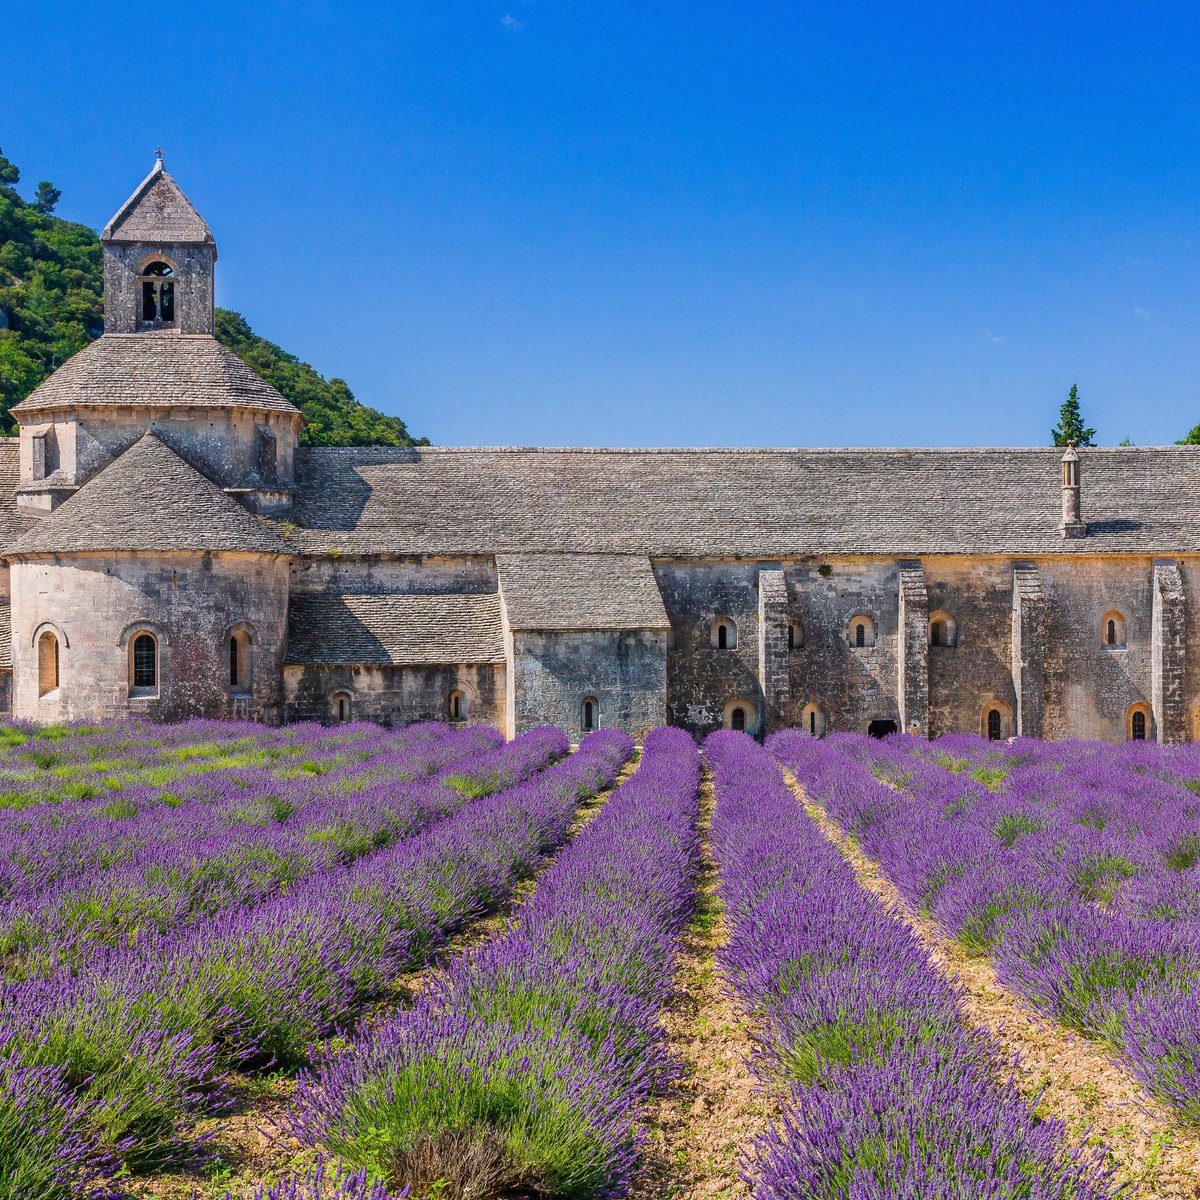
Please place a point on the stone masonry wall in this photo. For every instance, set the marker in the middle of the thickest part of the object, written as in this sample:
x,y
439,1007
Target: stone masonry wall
x,y
553,673
188,601
193,285
395,695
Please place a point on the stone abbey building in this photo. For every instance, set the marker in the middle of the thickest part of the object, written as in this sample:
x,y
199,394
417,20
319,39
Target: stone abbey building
x,y
170,550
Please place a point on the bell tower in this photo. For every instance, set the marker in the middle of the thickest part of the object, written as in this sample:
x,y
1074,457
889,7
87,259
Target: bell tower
x,y
159,257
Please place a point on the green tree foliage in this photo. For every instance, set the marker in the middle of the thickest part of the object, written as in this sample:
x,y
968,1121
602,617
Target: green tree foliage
x,y
1192,439
333,416
1070,426
51,306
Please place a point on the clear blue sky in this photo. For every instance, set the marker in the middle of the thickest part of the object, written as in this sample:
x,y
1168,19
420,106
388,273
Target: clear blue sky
x,y
552,222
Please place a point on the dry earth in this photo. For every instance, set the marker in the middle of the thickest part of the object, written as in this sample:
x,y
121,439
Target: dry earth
x,y
699,1128
1074,1080
249,1145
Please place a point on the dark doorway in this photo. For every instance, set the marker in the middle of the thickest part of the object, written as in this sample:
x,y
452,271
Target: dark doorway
x,y
880,729
737,719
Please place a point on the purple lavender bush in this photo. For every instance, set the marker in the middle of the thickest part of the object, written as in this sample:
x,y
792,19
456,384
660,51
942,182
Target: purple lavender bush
x,y
889,1093
323,1182
146,1030
1073,864
527,1065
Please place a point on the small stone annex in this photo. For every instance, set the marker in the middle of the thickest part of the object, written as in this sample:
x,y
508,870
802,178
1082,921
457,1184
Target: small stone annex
x,y
170,550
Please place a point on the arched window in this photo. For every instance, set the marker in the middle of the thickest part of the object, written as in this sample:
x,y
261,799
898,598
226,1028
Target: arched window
x,y
47,663
589,717
158,294
1112,630
995,723
144,664
1137,723
456,705
942,629
795,635
737,719
340,706
861,632
239,661
812,719
724,633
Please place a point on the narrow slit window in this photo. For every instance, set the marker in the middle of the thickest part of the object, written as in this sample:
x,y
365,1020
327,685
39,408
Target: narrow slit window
x,y
235,665
1137,730
860,635
994,725
722,637
455,708
590,715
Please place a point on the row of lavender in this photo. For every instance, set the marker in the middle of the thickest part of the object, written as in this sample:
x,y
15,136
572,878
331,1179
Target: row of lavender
x,y
1074,865
526,1068
890,1094
130,1048
241,837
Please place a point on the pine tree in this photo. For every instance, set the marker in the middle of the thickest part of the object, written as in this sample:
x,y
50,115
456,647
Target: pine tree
x,y
46,198
1070,426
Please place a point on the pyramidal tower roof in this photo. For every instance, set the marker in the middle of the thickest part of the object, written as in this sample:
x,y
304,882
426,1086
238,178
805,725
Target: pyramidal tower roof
x,y
158,211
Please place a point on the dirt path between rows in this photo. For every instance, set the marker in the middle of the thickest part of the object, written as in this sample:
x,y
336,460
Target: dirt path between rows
x,y
249,1145
699,1128
1074,1079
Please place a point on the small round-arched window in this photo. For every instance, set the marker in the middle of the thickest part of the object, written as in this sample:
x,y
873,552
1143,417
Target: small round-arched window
x,y
812,720
158,293
47,657
239,661
861,632
143,672
1137,723
943,631
340,706
589,715
996,721
456,705
1112,630
724,634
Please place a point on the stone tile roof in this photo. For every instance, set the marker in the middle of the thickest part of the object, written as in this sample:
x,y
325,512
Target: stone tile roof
x,y
580,592
156,369
746,503
148,499
13,522
158,211
394,628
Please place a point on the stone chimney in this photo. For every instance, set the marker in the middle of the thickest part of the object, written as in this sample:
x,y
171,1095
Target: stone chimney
x,y
1072,525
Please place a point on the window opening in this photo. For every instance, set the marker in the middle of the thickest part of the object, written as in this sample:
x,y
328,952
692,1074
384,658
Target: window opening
x,y
860,635
456,706
145,665
158,294
1138,726
589,715
994,728
737,719
47,663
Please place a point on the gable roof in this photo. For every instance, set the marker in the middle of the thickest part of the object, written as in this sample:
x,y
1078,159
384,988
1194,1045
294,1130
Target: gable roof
x,y
740,503
580,592
397,629
148,499
158,211
159,369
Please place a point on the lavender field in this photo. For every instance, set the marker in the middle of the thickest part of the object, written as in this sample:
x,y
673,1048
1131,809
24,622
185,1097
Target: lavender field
x,y
352,963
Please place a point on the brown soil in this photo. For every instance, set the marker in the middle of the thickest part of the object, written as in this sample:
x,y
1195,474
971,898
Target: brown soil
x,y
1074,1080
249,1146
699,1128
